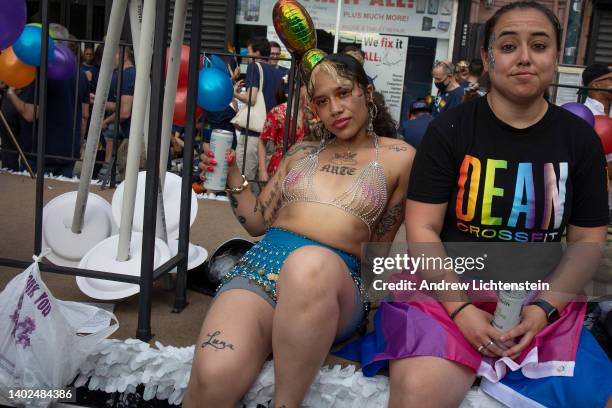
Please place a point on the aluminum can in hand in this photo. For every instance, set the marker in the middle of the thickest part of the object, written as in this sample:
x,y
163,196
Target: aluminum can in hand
x,y
220,144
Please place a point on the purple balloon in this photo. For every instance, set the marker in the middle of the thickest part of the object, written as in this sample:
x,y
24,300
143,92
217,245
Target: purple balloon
x,y
13,14
581,111
63,65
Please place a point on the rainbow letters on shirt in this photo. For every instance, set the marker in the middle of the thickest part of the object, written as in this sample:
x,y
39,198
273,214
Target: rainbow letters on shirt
x,y
482,201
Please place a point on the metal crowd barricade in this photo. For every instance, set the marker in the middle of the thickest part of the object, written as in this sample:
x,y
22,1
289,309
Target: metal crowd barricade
x,y
76,122
148,273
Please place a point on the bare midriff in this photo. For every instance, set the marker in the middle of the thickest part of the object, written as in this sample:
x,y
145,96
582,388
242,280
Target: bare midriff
x,y
326,224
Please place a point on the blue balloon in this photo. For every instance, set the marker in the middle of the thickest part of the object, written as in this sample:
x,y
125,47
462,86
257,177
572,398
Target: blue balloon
x,y
217,62
215,89
28,45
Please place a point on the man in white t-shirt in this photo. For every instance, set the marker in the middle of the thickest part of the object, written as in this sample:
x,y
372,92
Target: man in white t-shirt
x,y
598,101
598,76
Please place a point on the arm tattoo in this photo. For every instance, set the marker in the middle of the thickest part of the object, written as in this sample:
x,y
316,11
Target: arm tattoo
x,y
233,202
272,205
241,219
259,207
391,218
212,340
398,147
301,147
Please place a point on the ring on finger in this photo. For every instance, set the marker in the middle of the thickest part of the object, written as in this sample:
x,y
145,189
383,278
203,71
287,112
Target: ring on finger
x,y
488,344
480,348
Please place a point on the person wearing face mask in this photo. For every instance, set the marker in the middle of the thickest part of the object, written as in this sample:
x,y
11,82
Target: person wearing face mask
x,y
450,94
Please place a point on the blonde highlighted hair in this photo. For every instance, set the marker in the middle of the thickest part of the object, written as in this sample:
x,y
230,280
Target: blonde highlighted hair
x,y
347,71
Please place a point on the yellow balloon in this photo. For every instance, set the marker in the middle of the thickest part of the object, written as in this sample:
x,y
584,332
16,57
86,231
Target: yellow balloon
x,y
294,26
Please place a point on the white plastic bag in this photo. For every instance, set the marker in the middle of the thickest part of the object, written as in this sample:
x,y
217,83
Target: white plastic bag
x,y
40,347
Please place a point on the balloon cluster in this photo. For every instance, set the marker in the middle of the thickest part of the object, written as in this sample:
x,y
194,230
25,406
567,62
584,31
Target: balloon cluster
x,y
296,30
600,123
215,89
20,48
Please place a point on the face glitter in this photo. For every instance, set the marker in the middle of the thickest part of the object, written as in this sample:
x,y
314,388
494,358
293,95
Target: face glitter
x,y
490,54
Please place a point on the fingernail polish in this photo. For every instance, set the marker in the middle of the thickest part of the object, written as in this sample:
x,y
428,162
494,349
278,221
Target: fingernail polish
x,y
213,162
210,168
211,154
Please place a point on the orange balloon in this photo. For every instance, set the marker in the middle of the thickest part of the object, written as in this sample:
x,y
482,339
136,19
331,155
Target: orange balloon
x,y
13,72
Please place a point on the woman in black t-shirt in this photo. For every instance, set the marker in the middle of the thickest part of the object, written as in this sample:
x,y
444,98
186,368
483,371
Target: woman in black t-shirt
x,y
505,167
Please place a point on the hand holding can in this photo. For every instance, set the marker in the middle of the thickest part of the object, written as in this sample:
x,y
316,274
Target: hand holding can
x,y
508,311
215,173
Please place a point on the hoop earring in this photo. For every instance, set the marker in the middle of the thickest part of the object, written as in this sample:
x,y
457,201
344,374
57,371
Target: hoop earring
x,y
372,114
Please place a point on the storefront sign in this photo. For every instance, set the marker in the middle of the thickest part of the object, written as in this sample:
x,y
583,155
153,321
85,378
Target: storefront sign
x,y
425,18
386,65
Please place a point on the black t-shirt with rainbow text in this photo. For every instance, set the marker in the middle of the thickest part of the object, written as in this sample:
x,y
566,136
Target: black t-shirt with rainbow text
x,y
508,184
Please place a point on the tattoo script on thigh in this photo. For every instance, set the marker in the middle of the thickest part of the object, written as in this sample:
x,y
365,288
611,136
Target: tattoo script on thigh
x,y
213,340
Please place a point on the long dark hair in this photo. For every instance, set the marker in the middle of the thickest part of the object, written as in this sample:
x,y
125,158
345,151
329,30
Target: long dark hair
x,y
346,67
522,5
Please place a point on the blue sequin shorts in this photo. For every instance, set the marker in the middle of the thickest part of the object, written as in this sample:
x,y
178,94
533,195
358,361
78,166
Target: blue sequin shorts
x,y
261,265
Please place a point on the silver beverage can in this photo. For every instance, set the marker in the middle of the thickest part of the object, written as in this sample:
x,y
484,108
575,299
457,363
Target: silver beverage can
x,y
508,311
220,144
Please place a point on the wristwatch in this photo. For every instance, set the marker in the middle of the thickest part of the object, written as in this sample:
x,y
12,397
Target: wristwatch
x,y
552,314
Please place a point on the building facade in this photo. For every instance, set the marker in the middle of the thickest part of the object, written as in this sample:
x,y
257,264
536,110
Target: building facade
x,y
587,28
401,38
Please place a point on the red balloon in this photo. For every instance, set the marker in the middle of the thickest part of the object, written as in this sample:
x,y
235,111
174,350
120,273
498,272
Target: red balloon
x,y
184,67
603,127
180,108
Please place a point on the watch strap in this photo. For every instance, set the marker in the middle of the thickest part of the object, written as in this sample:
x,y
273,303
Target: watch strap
x,y
552,314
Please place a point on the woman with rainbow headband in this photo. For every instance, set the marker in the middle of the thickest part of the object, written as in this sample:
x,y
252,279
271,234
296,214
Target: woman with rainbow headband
x,y
508,161
298,290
